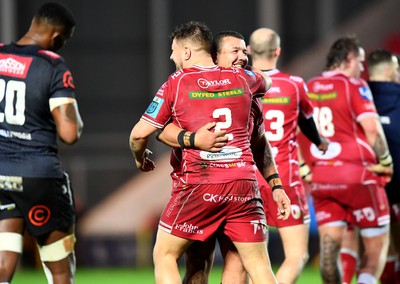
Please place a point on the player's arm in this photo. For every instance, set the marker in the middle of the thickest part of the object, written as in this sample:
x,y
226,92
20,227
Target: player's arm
x,y
309,129
376,139
304,169
203,138
138,142
67,119
267,79
265,162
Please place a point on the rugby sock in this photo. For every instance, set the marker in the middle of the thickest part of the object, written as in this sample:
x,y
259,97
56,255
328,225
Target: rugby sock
x,y
366,278
349,260
388,275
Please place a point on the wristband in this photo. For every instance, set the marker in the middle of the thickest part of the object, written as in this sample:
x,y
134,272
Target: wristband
x,y
191,139
180,139
186,139
278,186
268,179
304,170
386,160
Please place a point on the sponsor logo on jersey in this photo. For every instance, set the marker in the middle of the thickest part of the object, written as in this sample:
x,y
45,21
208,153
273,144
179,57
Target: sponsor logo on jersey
x,y
322,97
176,74
226,154
365,93
251,73
14,66
224,165
385,120
296,79
275,101
204,84
15,134
274,90
11,183
68,81
154,107
319,87
196,95
188,228
334,150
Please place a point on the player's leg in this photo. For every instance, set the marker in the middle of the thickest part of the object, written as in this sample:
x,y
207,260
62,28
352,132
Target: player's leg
x,y
391,273
56,251
295,245
388,275
199,258
349,253
256,261
167,251
395,231
330,238
375,242
11,243
234,271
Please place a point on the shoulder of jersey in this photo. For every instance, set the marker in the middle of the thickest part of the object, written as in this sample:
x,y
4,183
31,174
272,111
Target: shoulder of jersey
x,y
50,55
176,74
293,78
296,79
357,81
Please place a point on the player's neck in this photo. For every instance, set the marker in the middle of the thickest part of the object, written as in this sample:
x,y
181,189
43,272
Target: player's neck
x,y
264,64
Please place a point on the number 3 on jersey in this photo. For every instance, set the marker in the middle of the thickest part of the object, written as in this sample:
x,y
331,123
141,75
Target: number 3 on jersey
x,y
220,125
13,95
276,119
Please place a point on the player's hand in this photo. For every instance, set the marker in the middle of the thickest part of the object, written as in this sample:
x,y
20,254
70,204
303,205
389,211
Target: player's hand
x,y
382,170
145,164
283,202
305,172
208,140
323,146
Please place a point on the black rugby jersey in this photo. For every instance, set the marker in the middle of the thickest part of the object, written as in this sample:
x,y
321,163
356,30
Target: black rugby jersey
x,y
387,101
29,77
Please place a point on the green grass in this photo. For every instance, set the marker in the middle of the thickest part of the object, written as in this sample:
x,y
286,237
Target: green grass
x,y
133,276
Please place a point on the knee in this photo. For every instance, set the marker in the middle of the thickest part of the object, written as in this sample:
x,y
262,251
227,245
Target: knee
x,y
299,258
305,257
57,250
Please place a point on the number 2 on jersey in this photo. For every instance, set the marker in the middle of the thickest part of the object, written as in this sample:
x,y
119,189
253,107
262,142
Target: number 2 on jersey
x,y
220,125
13,95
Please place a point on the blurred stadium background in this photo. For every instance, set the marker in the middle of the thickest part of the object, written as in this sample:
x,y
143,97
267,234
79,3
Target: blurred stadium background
x,y
119,57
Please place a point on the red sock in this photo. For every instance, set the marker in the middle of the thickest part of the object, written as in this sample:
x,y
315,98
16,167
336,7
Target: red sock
x,y
348,259
388,274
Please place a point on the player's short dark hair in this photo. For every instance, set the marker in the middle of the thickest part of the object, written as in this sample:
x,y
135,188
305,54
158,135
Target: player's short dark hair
x,y
379,56
56,15
340,49
218,38
198,32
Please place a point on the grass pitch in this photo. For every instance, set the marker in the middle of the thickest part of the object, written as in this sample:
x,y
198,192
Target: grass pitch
x,y
310,275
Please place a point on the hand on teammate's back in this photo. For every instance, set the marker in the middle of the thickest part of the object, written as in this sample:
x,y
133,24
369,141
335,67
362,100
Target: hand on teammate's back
x,y
208,140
